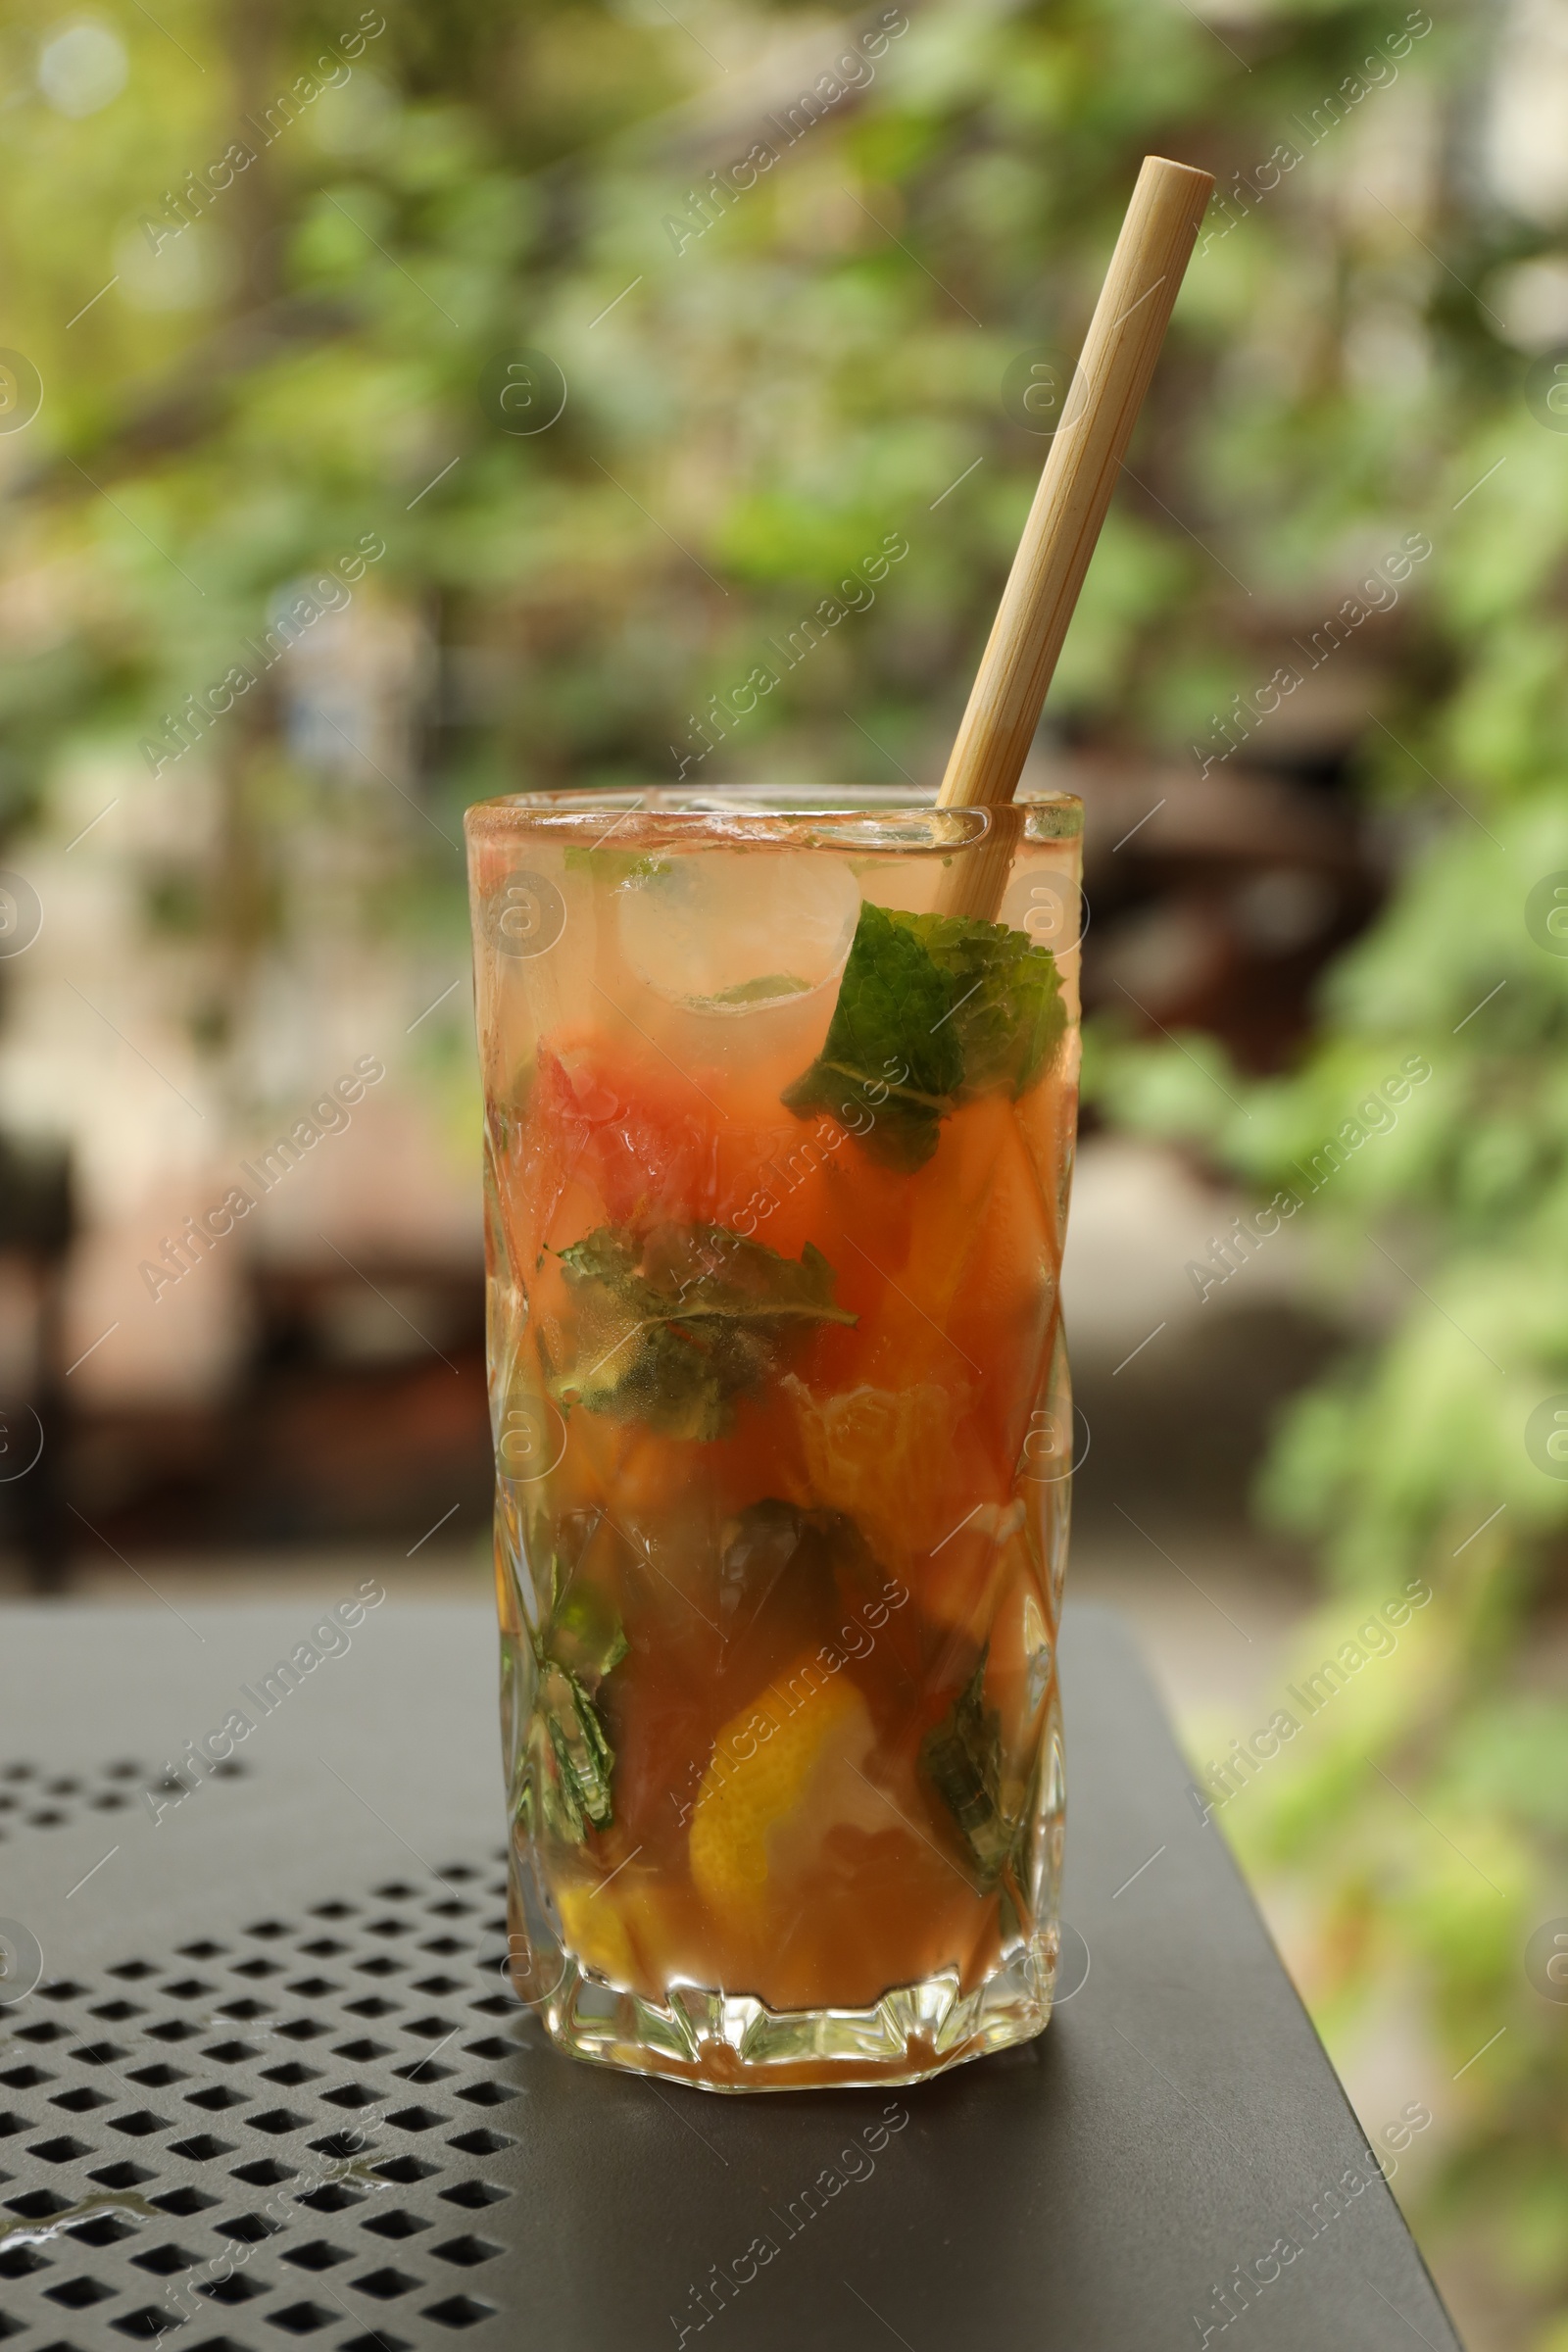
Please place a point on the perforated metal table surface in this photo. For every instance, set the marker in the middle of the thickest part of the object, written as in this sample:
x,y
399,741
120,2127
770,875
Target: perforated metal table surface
x,y
271,2085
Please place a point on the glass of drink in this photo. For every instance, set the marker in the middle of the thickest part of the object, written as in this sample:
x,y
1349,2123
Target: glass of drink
x,y
777,1153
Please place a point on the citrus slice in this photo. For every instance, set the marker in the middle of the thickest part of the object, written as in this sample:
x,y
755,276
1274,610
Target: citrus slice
x,y
885,1457
597,1934
780,1771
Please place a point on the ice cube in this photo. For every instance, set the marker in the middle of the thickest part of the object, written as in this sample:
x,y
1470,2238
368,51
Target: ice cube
x,y
732,931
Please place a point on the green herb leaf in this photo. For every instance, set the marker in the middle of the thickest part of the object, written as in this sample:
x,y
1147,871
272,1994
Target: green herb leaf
x,y
578,1791
762,991
674,1326
932,1009
582,1642
585,1634
962,1757
616,870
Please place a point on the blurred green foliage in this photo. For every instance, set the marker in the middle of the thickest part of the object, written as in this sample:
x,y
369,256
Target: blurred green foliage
x,y
1429,1820
764,380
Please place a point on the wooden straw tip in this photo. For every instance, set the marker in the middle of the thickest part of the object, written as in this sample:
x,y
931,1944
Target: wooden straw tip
x,y
1162,164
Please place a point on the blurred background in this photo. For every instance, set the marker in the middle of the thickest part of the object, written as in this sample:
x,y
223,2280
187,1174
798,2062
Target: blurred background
x,y
404,405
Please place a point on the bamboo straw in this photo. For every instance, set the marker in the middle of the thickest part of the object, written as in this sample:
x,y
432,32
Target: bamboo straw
x,y
1109,385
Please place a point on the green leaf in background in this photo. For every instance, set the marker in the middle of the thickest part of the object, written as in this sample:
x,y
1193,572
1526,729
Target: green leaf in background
x,y
1513,1757
674,1326
1424,1839
932,1008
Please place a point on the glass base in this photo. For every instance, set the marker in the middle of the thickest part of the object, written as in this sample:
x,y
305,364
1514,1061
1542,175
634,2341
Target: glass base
x,y
720,2041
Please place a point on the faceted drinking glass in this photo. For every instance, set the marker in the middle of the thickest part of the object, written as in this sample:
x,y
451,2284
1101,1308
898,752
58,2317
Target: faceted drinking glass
x,y
780,1098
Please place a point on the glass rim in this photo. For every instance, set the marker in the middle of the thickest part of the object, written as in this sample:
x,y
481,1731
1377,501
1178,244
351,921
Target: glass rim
x,y
759,811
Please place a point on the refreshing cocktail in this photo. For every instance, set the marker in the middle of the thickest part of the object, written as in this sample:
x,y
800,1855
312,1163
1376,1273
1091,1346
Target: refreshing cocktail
x,y
778,1160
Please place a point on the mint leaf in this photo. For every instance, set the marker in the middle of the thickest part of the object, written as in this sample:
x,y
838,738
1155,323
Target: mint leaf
x,y
578,1794
1008,1012
962,1757
617,869
891,1048
584,1635
675,1325
582,1642
932,1009
762,991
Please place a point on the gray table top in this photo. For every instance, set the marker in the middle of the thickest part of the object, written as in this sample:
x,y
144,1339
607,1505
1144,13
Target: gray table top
x,y
270,2082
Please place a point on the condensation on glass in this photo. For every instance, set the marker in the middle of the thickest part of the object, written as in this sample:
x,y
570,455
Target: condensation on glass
x,y
777,1156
